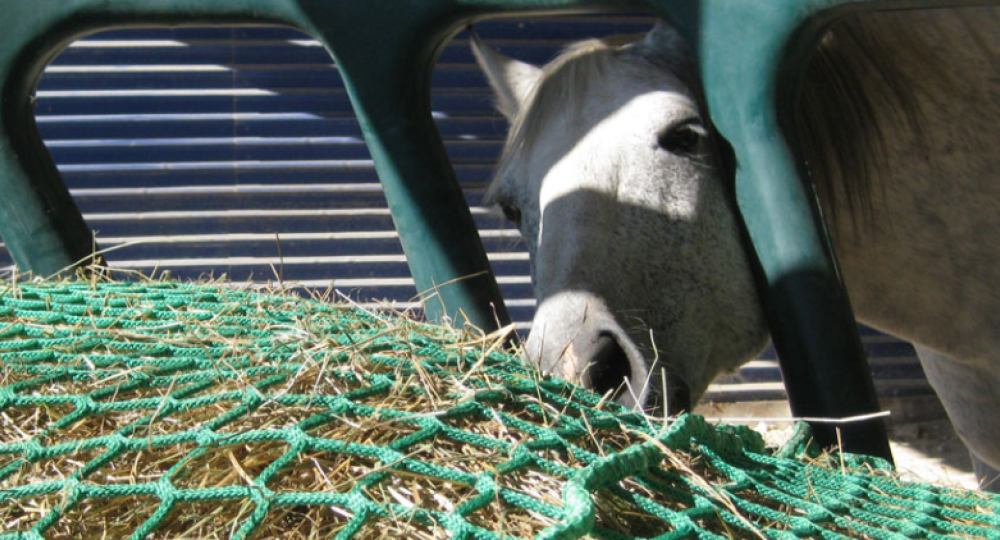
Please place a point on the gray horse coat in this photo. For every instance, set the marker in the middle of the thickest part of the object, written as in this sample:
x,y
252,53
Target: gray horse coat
x,y
611,173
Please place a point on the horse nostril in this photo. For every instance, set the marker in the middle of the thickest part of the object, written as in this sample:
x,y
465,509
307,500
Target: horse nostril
x,y
607,367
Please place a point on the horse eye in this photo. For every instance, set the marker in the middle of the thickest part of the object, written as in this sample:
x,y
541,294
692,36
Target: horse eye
x,y
511,212
682,139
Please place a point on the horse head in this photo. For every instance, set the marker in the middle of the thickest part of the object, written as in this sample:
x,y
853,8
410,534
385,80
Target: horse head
x,y
612,173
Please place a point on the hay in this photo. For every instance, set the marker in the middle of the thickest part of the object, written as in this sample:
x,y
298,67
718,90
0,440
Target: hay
x,y
160,410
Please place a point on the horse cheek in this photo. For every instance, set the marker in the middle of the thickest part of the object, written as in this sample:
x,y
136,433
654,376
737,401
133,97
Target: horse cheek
x,y
739,326
711,320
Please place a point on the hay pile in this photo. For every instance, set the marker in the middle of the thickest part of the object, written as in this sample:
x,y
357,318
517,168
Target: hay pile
x,y
160,410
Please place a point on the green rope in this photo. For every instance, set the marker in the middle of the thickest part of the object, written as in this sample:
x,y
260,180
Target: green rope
x,y
96,375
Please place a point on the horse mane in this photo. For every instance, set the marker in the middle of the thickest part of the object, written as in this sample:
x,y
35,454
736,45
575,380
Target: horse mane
x,y
853,97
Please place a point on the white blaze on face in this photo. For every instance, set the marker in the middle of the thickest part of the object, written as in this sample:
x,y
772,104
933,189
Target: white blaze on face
x,y
584,180
614,149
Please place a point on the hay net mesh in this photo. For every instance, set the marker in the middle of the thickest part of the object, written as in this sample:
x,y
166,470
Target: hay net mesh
x,y
162,410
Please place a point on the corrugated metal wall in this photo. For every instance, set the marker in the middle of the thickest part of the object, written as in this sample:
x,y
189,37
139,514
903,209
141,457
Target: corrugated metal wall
x,y
234,152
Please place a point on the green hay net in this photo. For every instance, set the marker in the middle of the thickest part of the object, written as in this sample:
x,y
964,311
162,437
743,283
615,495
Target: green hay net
x,y
160,410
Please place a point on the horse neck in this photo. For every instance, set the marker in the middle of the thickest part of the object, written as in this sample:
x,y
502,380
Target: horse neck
x,y
883,85
912,213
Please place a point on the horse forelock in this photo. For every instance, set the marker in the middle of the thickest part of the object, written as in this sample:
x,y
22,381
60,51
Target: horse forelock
x,y
560,87
563,86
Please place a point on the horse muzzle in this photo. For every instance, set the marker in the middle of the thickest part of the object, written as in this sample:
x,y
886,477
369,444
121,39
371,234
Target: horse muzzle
x,y
602,362
574,337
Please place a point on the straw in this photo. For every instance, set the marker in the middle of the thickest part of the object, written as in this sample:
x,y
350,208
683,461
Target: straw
x,y
154,409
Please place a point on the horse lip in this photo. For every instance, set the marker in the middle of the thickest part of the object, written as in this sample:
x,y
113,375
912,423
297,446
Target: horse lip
x,y
678,395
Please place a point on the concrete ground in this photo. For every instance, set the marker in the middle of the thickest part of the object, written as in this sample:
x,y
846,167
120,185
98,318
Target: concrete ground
x,y
924,445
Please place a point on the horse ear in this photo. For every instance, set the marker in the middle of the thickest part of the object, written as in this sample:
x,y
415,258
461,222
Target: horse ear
x,y
663,40
512,80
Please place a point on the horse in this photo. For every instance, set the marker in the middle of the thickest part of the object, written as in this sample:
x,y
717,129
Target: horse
x,y
611,172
